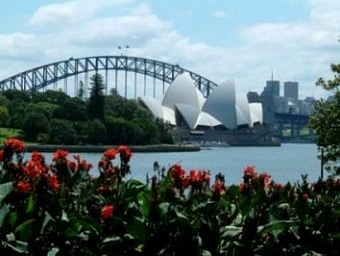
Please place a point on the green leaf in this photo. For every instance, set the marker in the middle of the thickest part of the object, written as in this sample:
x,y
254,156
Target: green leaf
x,y
5,189
182,218
275,226
112,239
143,200
18,246
230,231
206,253
30,204
136,228
3,213
53,251
64,216
47,219
164,208
25,230
12,220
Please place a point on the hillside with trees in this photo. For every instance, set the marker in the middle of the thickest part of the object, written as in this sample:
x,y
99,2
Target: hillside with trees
x,y
53,117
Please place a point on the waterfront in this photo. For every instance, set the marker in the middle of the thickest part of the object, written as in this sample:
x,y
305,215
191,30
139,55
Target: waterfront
x,y
285,163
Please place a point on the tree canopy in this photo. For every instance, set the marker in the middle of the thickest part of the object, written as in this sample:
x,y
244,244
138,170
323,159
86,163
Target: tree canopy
x,y
54,117
326,121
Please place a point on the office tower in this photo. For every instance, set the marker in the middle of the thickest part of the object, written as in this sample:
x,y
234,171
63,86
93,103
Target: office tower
x,y
291,90
272,88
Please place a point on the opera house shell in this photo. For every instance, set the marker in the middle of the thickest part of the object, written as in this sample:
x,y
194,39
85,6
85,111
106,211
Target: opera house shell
x,y
221,116
222,109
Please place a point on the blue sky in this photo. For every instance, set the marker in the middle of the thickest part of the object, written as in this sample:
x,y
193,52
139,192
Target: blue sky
x,y
219,39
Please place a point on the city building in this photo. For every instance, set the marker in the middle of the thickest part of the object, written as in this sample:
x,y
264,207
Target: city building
x,y
291,90
272,88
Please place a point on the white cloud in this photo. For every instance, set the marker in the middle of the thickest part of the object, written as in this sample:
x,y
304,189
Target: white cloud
x,y
300,51
72,12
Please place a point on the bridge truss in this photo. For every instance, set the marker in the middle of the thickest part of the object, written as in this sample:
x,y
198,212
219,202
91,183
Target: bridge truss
x,y
40,77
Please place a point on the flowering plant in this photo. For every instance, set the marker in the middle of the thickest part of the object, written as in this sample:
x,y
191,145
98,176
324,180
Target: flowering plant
x,y
59,208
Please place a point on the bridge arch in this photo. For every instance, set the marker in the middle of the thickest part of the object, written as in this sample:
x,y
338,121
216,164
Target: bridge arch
x,y
40,77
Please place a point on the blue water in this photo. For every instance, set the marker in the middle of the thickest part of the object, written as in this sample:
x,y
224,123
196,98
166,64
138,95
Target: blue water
x,y
285,163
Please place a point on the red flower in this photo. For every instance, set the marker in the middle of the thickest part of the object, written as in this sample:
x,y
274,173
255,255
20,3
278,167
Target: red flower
x,y
102,163
2,155
243,186
186,182
73,166
60,154
265,178
24,187
199,177
125,152
177,172
36,156
53,182
107,211
33,169
16,145
84,165
249,172
218,187
110,153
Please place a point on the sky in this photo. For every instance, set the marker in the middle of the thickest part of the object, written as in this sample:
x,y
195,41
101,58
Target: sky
x,y
244,40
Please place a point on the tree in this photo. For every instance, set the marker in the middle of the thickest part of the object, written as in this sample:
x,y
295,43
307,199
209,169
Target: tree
x,y
81,91
74,109
34,123
120,131
326,121
3,115
96,100
62,132
95,132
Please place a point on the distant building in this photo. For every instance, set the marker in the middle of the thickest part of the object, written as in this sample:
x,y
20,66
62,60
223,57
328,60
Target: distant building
x,y
281,105
268,97
291,90
253,97
272,88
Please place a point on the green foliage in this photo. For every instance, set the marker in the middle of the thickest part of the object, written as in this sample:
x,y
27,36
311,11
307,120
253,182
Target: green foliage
x,y
3,115
326,121
120,131
13,94
58,208
73,109
34,123
96,100
95,132
9,133
61,132
131,123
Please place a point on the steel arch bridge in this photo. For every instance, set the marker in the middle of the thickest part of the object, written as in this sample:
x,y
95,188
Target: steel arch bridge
x,y
40,77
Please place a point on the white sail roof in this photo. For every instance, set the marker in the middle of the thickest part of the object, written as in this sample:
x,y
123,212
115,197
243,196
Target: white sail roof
x,y
221,104
222,107
183,91
242,110
256,113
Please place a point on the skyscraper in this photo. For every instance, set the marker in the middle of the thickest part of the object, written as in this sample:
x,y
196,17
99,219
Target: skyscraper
x,y
291,90
272,88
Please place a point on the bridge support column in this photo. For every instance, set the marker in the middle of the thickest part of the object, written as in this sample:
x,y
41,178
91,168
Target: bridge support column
x,y
295,130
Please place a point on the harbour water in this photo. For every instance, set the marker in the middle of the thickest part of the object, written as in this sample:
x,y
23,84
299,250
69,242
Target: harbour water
x,y
284,164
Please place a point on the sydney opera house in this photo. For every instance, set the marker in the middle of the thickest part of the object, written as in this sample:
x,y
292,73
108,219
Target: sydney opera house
x,y
224,117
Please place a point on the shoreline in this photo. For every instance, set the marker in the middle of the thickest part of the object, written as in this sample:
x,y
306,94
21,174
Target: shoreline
x,y
102,148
